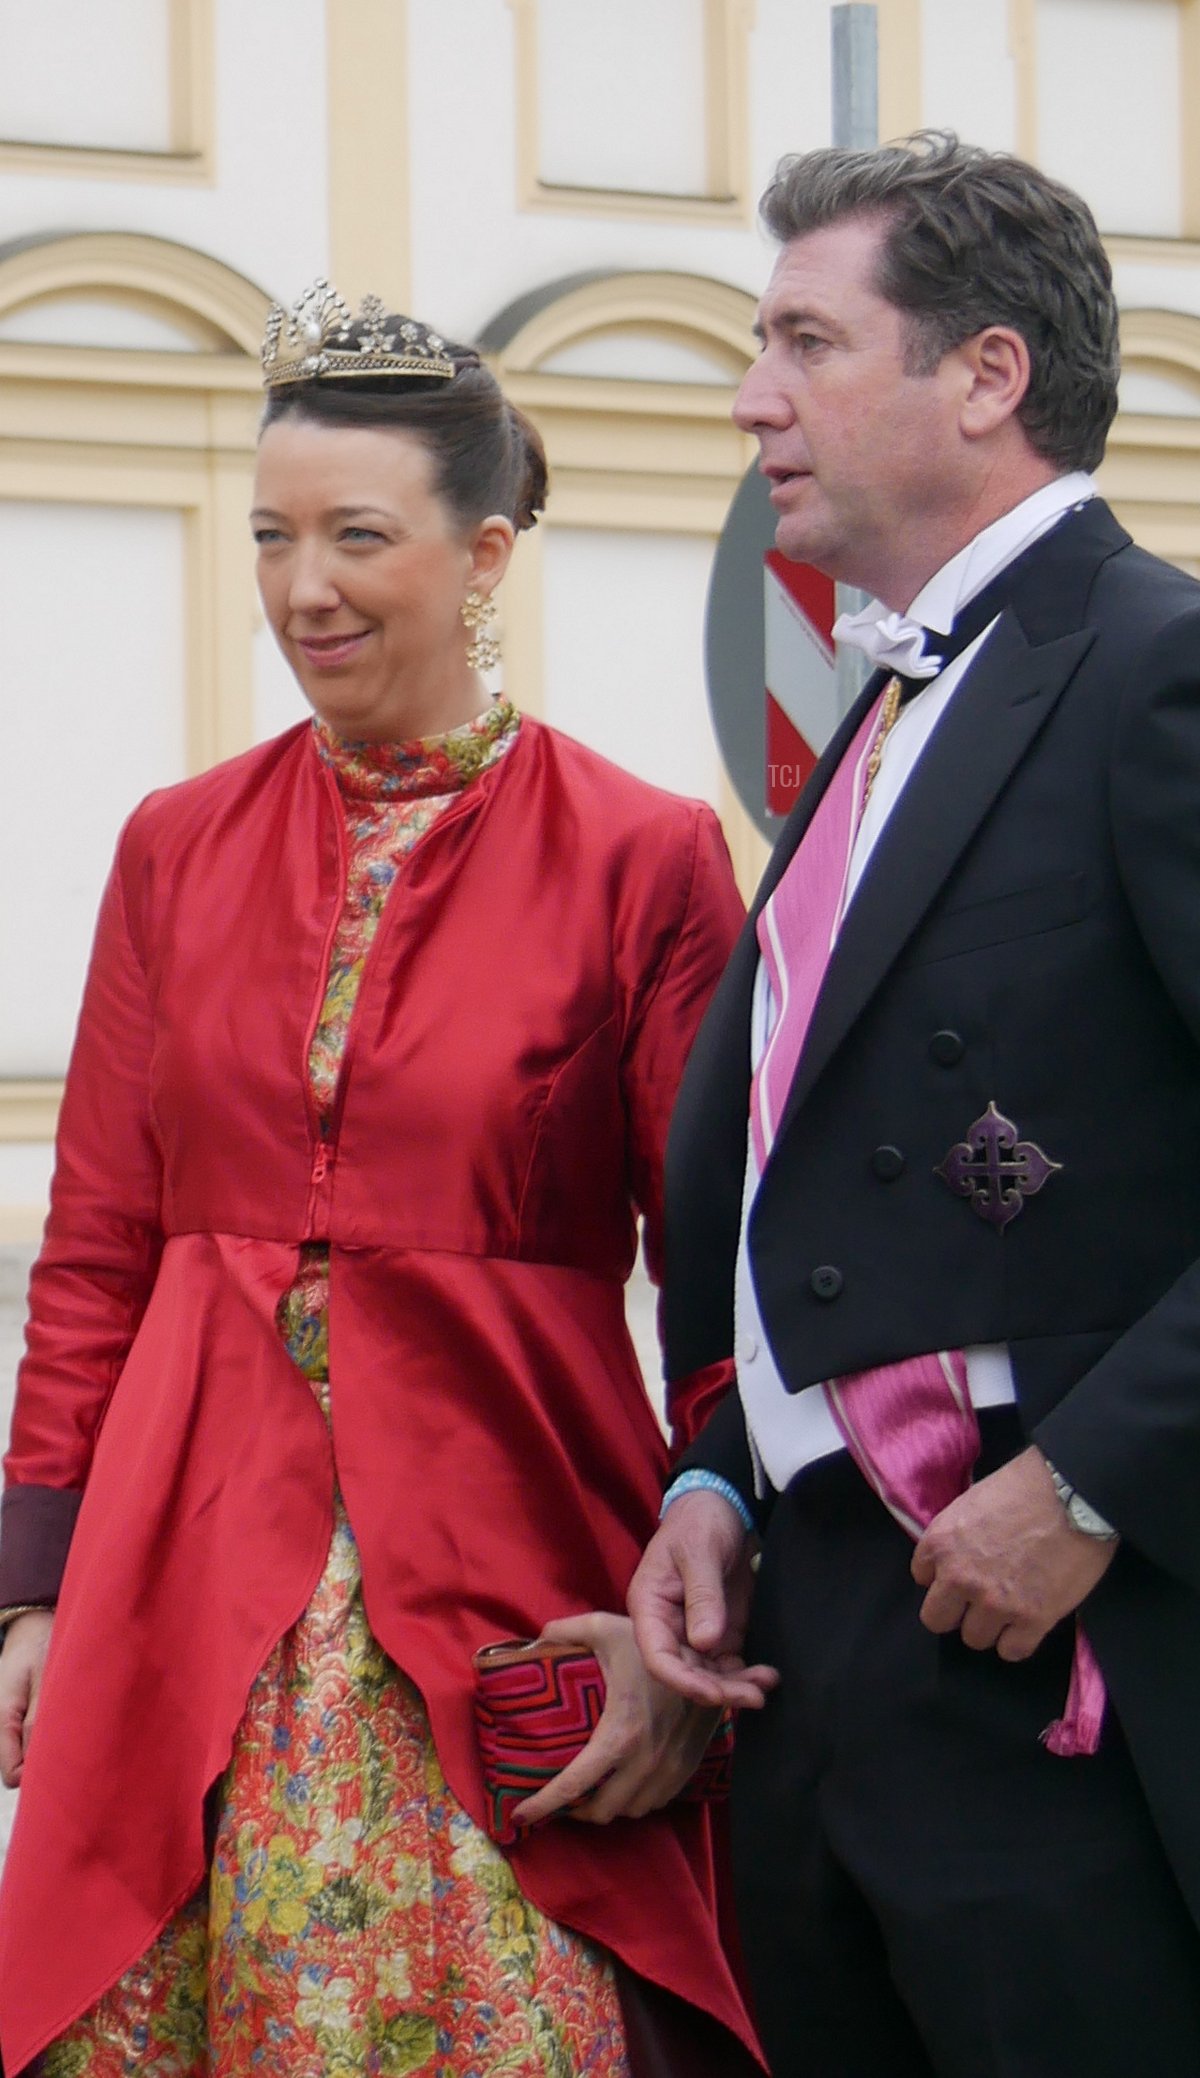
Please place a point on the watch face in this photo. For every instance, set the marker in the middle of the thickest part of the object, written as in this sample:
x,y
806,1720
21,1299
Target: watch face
x,y
1087,1519
1080,1514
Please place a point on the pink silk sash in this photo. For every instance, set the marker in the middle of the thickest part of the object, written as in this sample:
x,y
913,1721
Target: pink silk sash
x,y
909,1426
796,931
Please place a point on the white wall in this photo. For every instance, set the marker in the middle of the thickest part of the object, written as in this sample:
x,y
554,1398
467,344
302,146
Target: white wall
x,y
474,249
648,63
57,54
624,668
968,78
91,662
1109,108
267,214
1142,390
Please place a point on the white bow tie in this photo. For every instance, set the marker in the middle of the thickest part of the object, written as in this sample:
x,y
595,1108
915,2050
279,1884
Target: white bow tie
x,y
889,640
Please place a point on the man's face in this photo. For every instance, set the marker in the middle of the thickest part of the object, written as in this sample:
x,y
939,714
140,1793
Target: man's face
x,y
859,452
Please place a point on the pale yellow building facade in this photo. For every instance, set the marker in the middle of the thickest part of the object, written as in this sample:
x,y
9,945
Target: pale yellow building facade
x,y
571,184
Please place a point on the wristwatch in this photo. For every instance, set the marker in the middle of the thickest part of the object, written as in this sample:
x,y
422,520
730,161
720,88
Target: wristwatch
x,y
1080,1513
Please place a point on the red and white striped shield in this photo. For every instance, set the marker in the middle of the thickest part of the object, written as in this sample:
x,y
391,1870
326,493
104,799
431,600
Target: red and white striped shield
x,y
769,625
801,674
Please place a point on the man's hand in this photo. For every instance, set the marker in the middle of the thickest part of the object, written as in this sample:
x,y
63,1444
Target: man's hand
x,y
1003,1564
645,1747
690,1600
21,1665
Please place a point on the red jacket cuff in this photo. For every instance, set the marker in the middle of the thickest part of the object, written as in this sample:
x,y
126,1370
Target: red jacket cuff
x,y
36,1523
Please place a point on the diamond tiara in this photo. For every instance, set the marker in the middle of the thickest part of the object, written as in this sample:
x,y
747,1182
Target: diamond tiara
x,y
316,340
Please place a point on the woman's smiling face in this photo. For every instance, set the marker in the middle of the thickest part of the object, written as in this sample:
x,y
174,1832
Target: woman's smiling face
x,y
363,571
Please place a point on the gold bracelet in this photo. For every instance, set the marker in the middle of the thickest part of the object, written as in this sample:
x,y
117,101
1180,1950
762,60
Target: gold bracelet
x,y
8,1616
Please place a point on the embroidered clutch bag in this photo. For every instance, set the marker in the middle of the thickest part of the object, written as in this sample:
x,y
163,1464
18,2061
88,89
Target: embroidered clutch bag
x,y
536,1707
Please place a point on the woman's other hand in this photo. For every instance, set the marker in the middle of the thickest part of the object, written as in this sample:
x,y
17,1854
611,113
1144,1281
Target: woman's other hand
x,y
648,1743
21,1665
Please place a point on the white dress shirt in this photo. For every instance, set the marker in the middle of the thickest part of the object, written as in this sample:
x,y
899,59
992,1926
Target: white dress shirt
x,y
790,1430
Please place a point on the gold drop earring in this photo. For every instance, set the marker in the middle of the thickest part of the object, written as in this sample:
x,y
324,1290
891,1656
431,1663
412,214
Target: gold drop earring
x,y
478,612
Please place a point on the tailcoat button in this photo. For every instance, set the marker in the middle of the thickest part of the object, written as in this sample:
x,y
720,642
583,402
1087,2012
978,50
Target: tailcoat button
x,y
947,1048
888,1163
827,1281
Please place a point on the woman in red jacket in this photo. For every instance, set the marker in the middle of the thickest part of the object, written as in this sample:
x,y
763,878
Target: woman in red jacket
x,y
328,1379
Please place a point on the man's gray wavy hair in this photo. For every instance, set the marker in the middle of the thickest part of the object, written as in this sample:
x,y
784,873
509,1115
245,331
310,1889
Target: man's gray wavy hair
x,y
973,238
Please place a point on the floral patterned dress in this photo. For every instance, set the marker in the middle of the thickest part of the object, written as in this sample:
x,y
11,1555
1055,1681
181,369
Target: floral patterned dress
x,y
356,1921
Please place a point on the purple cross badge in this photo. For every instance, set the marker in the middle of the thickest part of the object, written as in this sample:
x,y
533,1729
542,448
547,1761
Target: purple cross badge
x,y
995,1169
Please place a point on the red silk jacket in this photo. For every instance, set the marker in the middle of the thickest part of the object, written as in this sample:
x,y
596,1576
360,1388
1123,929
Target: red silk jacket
x,y
545,956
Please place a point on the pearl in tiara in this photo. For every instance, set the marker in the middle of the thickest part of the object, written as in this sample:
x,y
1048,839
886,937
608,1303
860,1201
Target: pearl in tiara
x,y
319,339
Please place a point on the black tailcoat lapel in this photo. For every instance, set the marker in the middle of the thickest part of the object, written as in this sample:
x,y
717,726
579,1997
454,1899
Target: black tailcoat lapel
x,y
1005,698
986,729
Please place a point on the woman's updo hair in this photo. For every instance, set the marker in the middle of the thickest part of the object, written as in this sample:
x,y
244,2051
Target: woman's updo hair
x,y
487,456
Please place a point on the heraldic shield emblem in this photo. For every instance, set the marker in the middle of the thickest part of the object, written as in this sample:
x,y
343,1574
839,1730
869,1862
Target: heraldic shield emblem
x,y
996,1169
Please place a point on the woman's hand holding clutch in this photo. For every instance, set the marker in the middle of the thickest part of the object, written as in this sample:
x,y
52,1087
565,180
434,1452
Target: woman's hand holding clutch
x,y
648,1742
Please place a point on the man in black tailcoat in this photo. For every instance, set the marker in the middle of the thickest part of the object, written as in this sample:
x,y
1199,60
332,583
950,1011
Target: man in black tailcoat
x,y
987,1159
